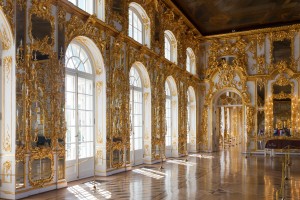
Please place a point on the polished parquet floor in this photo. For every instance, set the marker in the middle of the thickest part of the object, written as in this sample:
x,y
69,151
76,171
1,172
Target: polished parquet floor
x,y
207,176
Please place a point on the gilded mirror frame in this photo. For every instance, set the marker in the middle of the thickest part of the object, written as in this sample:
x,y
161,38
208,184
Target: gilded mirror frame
x,y
43,154
281,36
283,81
42,9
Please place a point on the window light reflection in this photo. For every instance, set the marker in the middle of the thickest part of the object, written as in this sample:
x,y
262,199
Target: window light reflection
x,y
149,173
201,156
82,193
181,162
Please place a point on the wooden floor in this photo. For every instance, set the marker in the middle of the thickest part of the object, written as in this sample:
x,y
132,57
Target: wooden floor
x,y
223,175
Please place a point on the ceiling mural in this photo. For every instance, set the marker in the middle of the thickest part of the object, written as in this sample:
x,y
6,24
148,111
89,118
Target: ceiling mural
x,y
220,16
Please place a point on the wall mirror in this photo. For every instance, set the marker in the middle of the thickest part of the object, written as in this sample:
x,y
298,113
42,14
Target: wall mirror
x,y
260,122
38,133
20,174
282,51
118,158
40,170
282,105
41,28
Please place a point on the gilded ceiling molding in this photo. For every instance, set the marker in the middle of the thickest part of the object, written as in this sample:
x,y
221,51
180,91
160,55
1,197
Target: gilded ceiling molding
x,y
251,32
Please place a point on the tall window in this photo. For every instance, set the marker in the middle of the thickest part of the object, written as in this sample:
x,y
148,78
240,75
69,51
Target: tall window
x,y
167,48
135,26
188,122
168,115
136,110
190,61
170,47
79,103
86,5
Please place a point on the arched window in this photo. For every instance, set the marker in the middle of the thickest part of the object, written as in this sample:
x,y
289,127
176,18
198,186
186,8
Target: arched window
x,y
171,116
139,24
79,105
191,120
170,47
188,123
86,5
190,61
136,116
168,142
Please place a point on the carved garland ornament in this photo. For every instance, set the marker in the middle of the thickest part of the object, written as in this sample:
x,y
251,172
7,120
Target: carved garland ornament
x,y
7,140
7,67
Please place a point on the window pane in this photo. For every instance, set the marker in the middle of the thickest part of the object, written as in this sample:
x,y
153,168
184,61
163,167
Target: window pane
x,y
71,133
89,87
81,118
89,118
70,117
89,102
70,83
70,100
71,151
81,85
81,101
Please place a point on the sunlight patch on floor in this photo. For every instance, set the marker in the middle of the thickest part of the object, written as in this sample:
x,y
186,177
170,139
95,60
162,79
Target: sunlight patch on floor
x,y
94,187
201,156
150,173
182,162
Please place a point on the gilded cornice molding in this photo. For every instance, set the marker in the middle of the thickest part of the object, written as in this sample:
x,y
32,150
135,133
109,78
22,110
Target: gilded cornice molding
x,y
251,32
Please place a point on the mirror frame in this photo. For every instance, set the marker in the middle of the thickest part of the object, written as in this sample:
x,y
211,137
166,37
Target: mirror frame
x,y
281,36
282,81
44,153
43,10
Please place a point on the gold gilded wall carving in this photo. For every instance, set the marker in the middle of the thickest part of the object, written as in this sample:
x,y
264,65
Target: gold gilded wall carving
x,y
281,36
7,64
6,43
7,172
119,53
250,116
8,7
39,95
7,139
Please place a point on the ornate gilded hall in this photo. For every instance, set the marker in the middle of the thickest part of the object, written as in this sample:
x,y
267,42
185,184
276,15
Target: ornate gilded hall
x,y
149,99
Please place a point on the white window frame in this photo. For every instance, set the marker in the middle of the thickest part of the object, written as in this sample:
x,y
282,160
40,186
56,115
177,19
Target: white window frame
x,y
87,76
191,65
169,36
141,14
87,3
133,90
132,25
168,119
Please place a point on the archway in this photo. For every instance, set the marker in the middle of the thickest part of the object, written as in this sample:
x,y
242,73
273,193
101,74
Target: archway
x,y
140,115
228,124
84,103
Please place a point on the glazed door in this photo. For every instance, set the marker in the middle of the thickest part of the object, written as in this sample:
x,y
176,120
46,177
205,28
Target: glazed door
x,y
136,137
80,127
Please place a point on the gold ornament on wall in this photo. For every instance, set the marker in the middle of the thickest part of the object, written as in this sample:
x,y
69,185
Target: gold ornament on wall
x,y
6,42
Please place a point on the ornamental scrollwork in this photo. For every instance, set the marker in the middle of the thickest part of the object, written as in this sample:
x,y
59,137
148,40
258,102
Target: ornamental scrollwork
x,y
6,42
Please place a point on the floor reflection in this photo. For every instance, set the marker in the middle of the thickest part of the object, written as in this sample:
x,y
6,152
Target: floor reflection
x,y
223,175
